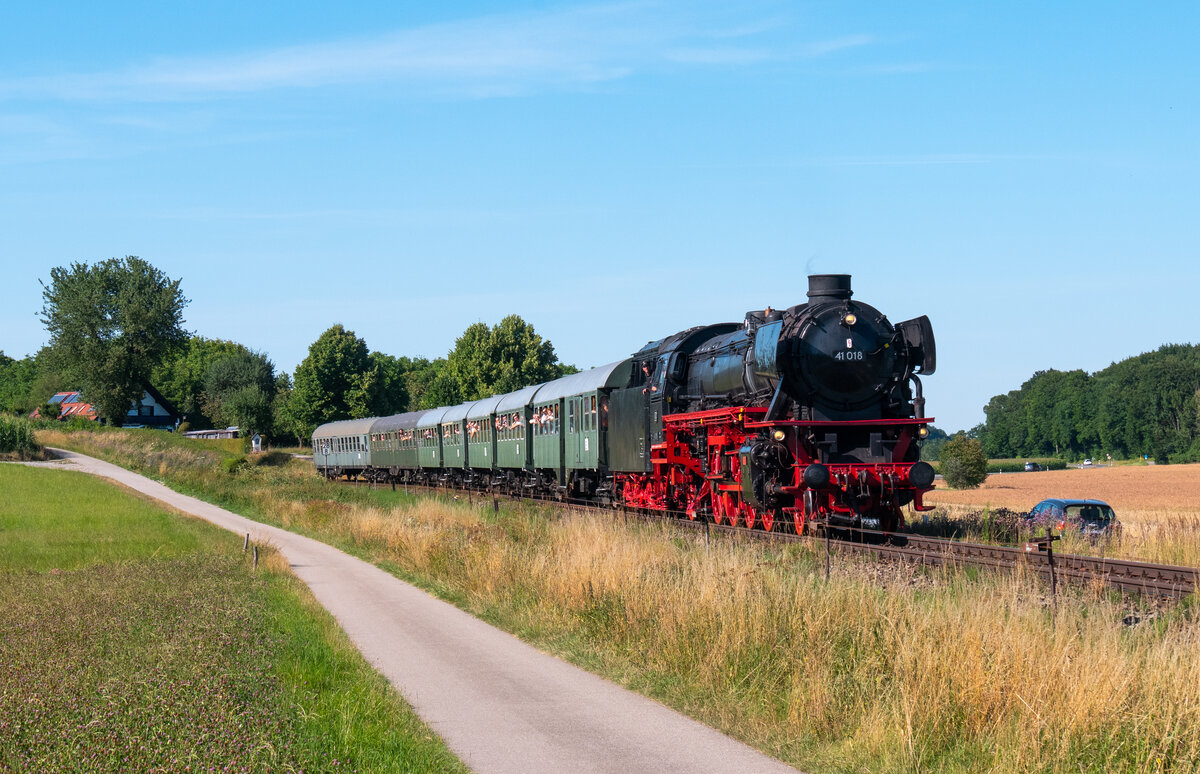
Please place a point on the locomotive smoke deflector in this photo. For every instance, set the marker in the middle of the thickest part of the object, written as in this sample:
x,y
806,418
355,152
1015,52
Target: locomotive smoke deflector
x,y
917,335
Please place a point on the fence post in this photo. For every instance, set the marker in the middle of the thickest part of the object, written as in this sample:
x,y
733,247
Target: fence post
x,y
1050,561
827,549
1047,544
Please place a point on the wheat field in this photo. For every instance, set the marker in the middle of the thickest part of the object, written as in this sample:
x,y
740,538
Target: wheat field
x,y
1158,505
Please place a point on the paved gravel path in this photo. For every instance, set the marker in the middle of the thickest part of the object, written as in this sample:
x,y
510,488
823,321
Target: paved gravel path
x,y
500,705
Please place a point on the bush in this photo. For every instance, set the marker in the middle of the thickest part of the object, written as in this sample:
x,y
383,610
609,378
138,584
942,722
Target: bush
x,y
998,525
233,464
963,463
16,437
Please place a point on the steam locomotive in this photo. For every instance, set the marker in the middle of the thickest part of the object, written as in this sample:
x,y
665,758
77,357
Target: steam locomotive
x,y
813,414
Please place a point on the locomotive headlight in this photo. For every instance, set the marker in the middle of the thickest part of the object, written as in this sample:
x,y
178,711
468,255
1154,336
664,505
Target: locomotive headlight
x,y
923,432
778,435
850,318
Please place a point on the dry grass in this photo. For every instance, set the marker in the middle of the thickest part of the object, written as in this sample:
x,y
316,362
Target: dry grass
x,y
1158,505
884,669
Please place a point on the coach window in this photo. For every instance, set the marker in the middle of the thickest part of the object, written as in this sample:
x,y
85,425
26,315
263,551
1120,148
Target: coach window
x,y
571,415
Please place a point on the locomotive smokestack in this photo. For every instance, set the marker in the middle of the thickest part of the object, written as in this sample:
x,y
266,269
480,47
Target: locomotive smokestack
x,y
829,286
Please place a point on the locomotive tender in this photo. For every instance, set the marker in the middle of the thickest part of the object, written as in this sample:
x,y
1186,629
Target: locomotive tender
x,y
813,414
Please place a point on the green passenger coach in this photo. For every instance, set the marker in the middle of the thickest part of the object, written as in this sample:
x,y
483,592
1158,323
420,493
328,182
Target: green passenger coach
x,y
429,436
511,421
395,442
341,448
454,436
481,438
570,438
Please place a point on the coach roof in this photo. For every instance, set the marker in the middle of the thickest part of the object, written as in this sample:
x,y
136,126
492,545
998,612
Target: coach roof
x,y
611,375
406,421
456,413
432,417
484,407
344,428
518,399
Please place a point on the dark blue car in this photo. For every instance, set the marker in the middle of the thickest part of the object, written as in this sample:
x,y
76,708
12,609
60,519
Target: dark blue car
x,y
1091,517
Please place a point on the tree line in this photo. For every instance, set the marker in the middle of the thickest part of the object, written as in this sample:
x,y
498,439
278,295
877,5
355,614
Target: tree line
x,y
117,325
1147,405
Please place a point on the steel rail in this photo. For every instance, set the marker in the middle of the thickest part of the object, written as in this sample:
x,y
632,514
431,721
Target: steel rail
x,y
1126,575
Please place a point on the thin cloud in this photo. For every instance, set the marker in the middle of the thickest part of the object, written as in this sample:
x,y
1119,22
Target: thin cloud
x,y
902,68
717,56
484,56
920,160
827,47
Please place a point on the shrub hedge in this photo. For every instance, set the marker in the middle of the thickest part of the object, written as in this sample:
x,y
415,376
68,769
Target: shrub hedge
x,y
16,437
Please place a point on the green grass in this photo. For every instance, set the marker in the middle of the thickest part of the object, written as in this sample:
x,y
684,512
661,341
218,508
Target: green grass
x,y
66,520
134,639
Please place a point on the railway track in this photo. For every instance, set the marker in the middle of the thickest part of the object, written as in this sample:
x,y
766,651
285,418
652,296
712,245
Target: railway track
x,y
1126,575
1162,580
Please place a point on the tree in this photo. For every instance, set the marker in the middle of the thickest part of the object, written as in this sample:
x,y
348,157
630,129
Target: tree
x,y
50,410
523,357
16,378
110,324
392,395
1142,405
282,420
337,380
963,464
181,376
239,389
472,363
493,361
26,383
427,383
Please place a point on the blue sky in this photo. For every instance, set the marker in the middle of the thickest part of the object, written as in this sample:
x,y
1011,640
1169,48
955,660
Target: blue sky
x,y
1025,174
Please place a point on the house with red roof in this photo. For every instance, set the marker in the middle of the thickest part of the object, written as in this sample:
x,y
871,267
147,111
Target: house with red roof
x,y
153,410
